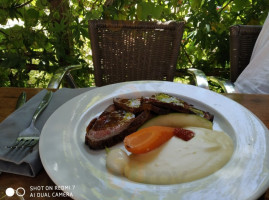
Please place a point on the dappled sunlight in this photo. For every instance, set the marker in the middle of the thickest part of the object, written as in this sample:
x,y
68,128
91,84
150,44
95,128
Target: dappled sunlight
x,y
10,23
39,79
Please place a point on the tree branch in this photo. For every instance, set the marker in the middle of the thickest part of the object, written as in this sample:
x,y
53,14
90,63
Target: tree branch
x,y
3,33
187,55
18,6
24,4
225,6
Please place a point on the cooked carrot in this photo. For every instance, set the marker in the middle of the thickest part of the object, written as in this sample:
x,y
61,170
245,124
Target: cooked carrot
x,y
148,139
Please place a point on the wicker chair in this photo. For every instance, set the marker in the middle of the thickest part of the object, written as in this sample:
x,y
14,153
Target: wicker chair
x,y
130,50
242,41
122,60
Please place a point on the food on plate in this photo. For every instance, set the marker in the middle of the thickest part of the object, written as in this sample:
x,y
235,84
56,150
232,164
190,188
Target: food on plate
x,y
184,134
168,140
174,104
130,105
125,116
178,120
147,139
178,161
116,161
112,126
160,104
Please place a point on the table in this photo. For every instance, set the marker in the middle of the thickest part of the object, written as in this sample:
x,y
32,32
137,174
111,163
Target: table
x,y
258,104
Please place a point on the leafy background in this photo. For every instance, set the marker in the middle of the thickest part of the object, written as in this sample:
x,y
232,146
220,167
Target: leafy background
x,y
54,33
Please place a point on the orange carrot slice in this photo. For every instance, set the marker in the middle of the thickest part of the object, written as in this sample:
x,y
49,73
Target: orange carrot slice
x,y
148,139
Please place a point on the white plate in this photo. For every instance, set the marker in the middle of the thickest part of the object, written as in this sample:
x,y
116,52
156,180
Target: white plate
x,y
69,162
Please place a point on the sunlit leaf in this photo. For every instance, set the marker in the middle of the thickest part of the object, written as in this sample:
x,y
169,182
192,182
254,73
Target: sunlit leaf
x,y
157,11
195,4
240,5
144,10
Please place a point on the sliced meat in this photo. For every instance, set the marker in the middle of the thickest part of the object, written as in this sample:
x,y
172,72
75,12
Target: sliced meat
x,y
111,127
173,104
125,116
138,105
130,105
155,109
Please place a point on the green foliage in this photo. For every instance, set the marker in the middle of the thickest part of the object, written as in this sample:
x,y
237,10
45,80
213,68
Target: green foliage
x,y
54,33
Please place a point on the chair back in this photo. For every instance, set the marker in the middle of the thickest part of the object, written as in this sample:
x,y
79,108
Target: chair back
x,y
134,50
242,41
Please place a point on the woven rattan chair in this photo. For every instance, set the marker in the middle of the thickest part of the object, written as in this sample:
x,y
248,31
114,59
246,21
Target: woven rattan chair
x,y
131,50
242,41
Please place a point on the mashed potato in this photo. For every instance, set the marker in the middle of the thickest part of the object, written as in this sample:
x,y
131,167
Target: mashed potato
x,y
178,161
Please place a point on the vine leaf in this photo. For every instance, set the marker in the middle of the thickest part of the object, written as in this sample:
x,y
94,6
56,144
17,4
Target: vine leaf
x,y
196,4
240,4
149,9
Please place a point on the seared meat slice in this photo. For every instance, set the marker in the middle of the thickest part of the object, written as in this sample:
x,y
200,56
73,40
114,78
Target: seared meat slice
x,y
130,105
173,104
112,126
137,105
155,109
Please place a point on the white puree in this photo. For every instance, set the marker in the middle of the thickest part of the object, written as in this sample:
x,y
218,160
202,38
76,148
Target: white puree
x,y
178,161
